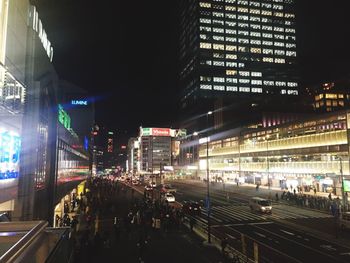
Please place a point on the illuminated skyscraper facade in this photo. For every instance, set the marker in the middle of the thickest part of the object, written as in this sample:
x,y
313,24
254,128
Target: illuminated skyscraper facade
x,y
238,49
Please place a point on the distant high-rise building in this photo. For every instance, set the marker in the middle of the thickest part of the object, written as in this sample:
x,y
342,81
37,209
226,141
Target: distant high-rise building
x,y
239,50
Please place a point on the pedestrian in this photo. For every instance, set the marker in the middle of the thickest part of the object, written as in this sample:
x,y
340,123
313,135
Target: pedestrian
x,y
276,197
223,245
227,197
330,196
314,190
192,222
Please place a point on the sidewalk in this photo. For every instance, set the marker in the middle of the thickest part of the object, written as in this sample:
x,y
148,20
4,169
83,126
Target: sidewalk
x,y
174,245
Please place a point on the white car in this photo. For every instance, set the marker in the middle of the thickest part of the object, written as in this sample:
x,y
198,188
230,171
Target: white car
x,y
169,197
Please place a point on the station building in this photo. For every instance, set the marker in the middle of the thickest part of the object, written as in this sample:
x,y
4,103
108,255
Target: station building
x,y
311,152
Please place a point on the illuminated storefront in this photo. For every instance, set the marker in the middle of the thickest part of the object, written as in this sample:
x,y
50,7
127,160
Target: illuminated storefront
x,y
314,152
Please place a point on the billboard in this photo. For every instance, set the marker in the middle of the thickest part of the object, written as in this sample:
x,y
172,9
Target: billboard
x,y
346,185
155,132
162,132
10,147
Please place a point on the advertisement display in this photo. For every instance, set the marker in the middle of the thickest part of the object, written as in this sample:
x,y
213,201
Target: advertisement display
x,y
10,147
346,185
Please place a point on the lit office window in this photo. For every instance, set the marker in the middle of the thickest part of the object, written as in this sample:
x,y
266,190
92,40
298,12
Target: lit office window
x,y
292,92
231,16
241,17
255,42
217,87
218,14
243,33
256,82
292,84
231,48
268,51
244,81
279,52
255,50
218,30
204,5
256,74
231,64
231,88
244,89
219,79
257,90
231,39
231,72
218,63
205,28
255,26
269,83
230,8
218,55
205,78
205,21
243,41
231,80
205,45
269,28
219,38
267,43
218,46
231,24
267,59
244,73
280,83
230,31
205,86
254,19
280,60
218,22
231,56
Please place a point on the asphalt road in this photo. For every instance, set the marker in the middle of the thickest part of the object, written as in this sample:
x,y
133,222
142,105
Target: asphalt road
x,y
275,238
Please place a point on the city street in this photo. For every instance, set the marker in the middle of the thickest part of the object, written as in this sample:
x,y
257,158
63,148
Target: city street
x,y
290,232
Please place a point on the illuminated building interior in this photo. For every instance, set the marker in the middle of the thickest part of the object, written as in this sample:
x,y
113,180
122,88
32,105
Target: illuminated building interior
x,y
308,152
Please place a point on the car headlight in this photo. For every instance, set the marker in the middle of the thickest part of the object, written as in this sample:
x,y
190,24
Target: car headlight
x,y
263,208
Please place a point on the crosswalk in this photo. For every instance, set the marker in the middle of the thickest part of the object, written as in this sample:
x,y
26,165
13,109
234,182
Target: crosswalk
x,y
232,214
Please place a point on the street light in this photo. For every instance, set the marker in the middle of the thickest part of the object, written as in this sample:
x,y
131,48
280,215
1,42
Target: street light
x,y
342,185
208,193
267,161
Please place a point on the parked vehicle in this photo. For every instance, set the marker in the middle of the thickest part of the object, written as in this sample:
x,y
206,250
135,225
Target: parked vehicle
x,y
260,205
191,208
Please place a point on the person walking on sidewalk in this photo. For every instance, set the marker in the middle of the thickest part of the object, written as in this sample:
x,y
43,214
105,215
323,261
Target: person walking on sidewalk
x,y
224,243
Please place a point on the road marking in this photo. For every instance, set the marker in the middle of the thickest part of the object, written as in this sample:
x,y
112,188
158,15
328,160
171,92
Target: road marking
x,y
328,247
345,254
230,236
289,233
259,234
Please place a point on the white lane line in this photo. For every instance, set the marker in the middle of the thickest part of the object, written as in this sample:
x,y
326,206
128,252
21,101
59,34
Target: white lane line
x,y
289,233
328,247
259,234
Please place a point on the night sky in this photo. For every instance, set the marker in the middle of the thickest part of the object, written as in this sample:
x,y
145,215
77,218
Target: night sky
x,y
125,53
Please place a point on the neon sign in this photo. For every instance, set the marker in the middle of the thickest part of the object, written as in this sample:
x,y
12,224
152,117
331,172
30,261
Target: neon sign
x,y
79,102
10,147
63,117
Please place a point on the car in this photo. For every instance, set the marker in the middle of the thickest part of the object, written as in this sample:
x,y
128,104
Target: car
x,y
169,197
135,182
191,207
260,205
153,184
168,188
148,187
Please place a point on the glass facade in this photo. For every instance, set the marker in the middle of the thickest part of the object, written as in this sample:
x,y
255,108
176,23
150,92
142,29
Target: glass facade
x,y
306,152
238,47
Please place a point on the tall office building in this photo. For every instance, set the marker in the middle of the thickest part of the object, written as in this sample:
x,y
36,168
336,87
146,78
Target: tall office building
x,y
237,50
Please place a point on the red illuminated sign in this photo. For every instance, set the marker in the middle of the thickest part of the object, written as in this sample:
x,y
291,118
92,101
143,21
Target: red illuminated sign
x,y
160,132
123,147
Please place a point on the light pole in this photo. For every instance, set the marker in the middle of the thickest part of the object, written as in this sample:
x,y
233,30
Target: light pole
x,y
342,185
208,193
267,161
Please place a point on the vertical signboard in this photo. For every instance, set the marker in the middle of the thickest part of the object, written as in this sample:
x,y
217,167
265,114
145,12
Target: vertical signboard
x,y
10,147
